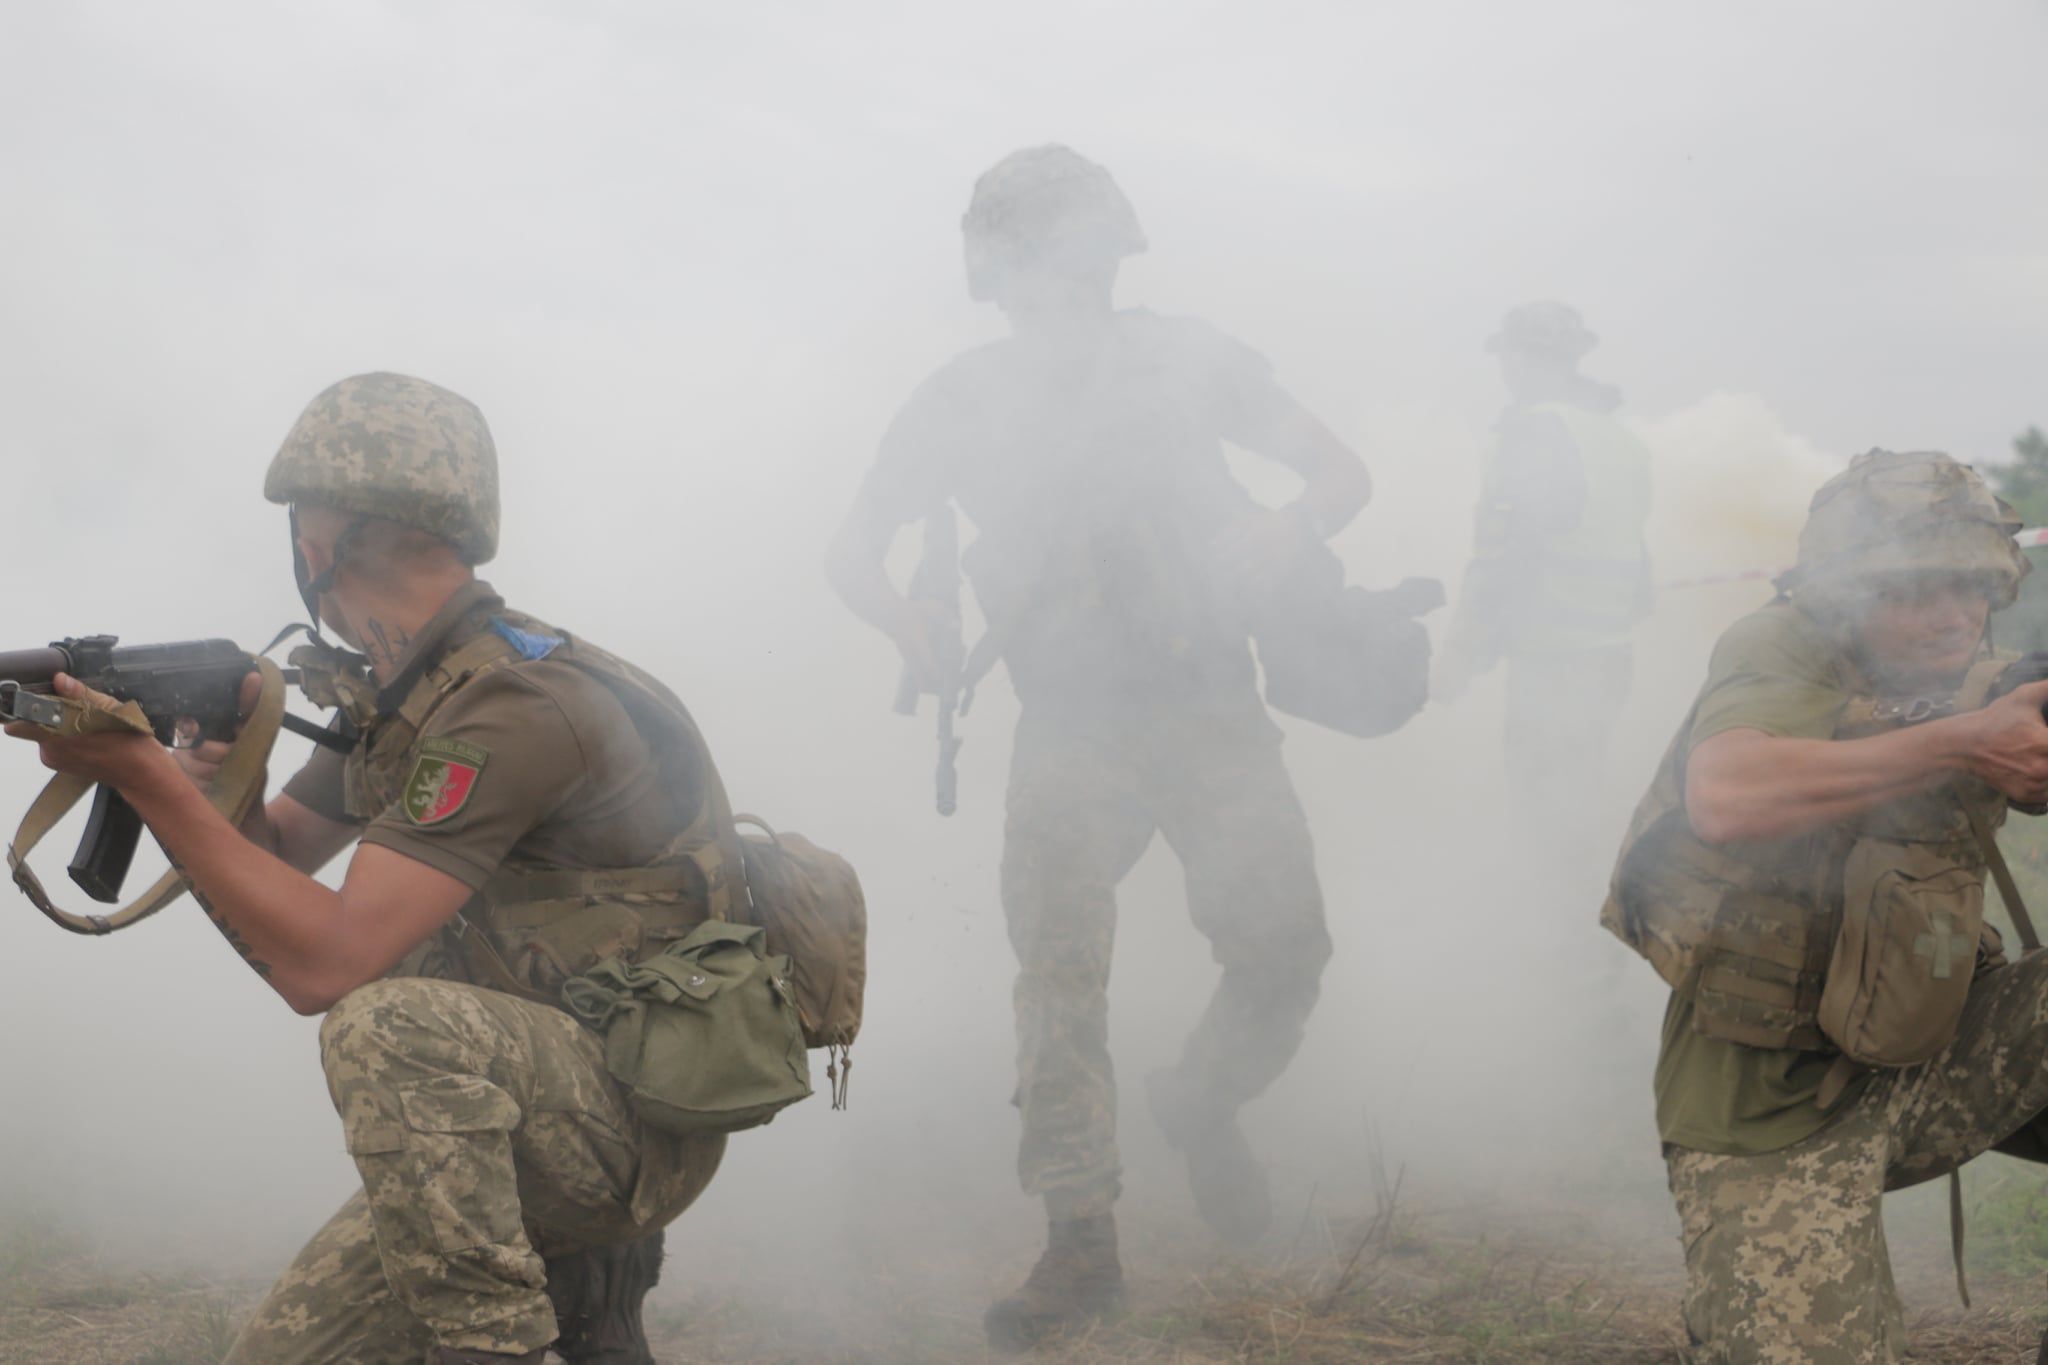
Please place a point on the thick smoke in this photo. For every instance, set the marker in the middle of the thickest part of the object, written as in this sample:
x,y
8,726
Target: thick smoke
x,y
689,265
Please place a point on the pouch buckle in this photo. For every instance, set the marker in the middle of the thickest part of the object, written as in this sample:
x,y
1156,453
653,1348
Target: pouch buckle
x,y
1913,710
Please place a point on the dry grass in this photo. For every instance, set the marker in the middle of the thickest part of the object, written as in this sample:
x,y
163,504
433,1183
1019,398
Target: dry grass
x,y
1384,1287
1400,1283
60,1303
1404,1283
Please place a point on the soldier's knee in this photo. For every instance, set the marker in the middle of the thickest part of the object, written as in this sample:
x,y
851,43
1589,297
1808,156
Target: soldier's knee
x,y
1284,959
347,1015
376,1013
1301,967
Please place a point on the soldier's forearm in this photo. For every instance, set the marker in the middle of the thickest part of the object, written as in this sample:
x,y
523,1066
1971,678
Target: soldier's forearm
x,y
853,565
303,837
270,913
877,602
258,830
1746,785
1338,485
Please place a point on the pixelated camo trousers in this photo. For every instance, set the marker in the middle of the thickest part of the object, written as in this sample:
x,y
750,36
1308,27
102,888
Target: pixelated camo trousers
x,y
488,1135
1784,1252
1083,805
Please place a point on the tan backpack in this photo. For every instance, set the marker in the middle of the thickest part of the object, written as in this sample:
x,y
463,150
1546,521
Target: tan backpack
x,y
809,900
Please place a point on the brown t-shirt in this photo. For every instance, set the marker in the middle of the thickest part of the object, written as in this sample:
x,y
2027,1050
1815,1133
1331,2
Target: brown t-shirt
x,y
562,778
1774,671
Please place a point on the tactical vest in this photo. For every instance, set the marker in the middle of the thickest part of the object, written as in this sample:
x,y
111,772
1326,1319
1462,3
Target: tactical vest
x,y
534,926
1588,586
1748,930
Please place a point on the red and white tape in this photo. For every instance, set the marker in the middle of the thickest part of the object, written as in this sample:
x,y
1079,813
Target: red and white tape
x,y
2033,538
1716,579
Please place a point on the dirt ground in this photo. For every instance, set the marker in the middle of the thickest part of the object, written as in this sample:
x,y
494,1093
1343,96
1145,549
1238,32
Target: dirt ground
x,y
1400,1284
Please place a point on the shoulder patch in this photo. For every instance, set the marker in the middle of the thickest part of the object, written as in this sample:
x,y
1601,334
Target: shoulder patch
x,y
442,777
532,645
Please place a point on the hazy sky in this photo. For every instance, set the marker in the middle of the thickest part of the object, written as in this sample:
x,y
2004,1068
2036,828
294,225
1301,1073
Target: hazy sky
x,y
689,260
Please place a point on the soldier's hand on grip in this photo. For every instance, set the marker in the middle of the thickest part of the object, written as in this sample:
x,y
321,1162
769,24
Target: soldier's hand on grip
x,y
2011,744
199,760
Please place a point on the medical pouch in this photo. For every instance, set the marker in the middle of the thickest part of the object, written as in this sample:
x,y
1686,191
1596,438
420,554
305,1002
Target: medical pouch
x,y
1912,918
704,1036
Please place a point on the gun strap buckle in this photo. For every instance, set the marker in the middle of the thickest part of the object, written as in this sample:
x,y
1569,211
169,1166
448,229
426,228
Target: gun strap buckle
x,y
1913,710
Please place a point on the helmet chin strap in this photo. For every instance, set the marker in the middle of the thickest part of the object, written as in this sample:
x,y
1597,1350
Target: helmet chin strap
x,y
312,588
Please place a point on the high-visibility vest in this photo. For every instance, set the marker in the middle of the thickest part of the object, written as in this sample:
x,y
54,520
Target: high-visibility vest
x,y
1587,584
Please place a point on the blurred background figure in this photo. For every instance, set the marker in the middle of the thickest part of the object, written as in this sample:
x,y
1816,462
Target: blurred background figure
x,y
2023,628
2024,483
1559,573
1112,557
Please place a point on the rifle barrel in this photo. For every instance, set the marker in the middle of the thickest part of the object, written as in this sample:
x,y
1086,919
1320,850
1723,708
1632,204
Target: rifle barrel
x,y
32,668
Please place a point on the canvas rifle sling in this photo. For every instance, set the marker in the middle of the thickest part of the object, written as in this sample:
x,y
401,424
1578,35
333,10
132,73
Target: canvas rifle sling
x,y
235,789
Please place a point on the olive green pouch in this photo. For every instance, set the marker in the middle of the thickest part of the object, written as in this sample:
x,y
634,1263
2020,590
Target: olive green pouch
x,y
1906,951
704,1036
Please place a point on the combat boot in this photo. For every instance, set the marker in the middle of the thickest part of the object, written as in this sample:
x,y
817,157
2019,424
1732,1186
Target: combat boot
x,y
1077,1280
1228,1182
597,1296
451,1355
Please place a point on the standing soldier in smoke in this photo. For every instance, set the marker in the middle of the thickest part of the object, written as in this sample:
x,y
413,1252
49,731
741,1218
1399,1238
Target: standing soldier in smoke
x,y
1559,573
1807,874
506,781
1087,450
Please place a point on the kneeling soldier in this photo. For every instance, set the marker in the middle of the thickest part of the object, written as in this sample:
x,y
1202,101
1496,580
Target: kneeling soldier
x,y
1807,872
503,777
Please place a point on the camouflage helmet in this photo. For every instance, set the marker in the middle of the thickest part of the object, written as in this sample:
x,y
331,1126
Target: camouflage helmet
x,y
1905,512
1545,328
1044,202
399,449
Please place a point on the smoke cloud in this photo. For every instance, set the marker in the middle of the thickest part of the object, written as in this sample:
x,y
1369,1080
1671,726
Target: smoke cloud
x,y
690,262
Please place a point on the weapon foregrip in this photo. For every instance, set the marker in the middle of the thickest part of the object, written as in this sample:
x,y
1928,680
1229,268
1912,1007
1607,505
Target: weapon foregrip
x,y
107,847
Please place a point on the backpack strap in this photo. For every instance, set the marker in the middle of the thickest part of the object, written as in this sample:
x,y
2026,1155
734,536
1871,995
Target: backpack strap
x,y
2023,924
511,887
482,965
1955,1231
439,682
2008,889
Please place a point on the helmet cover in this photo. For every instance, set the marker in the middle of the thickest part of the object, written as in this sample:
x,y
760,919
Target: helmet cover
x,y
1905,512
1544,328
397,449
